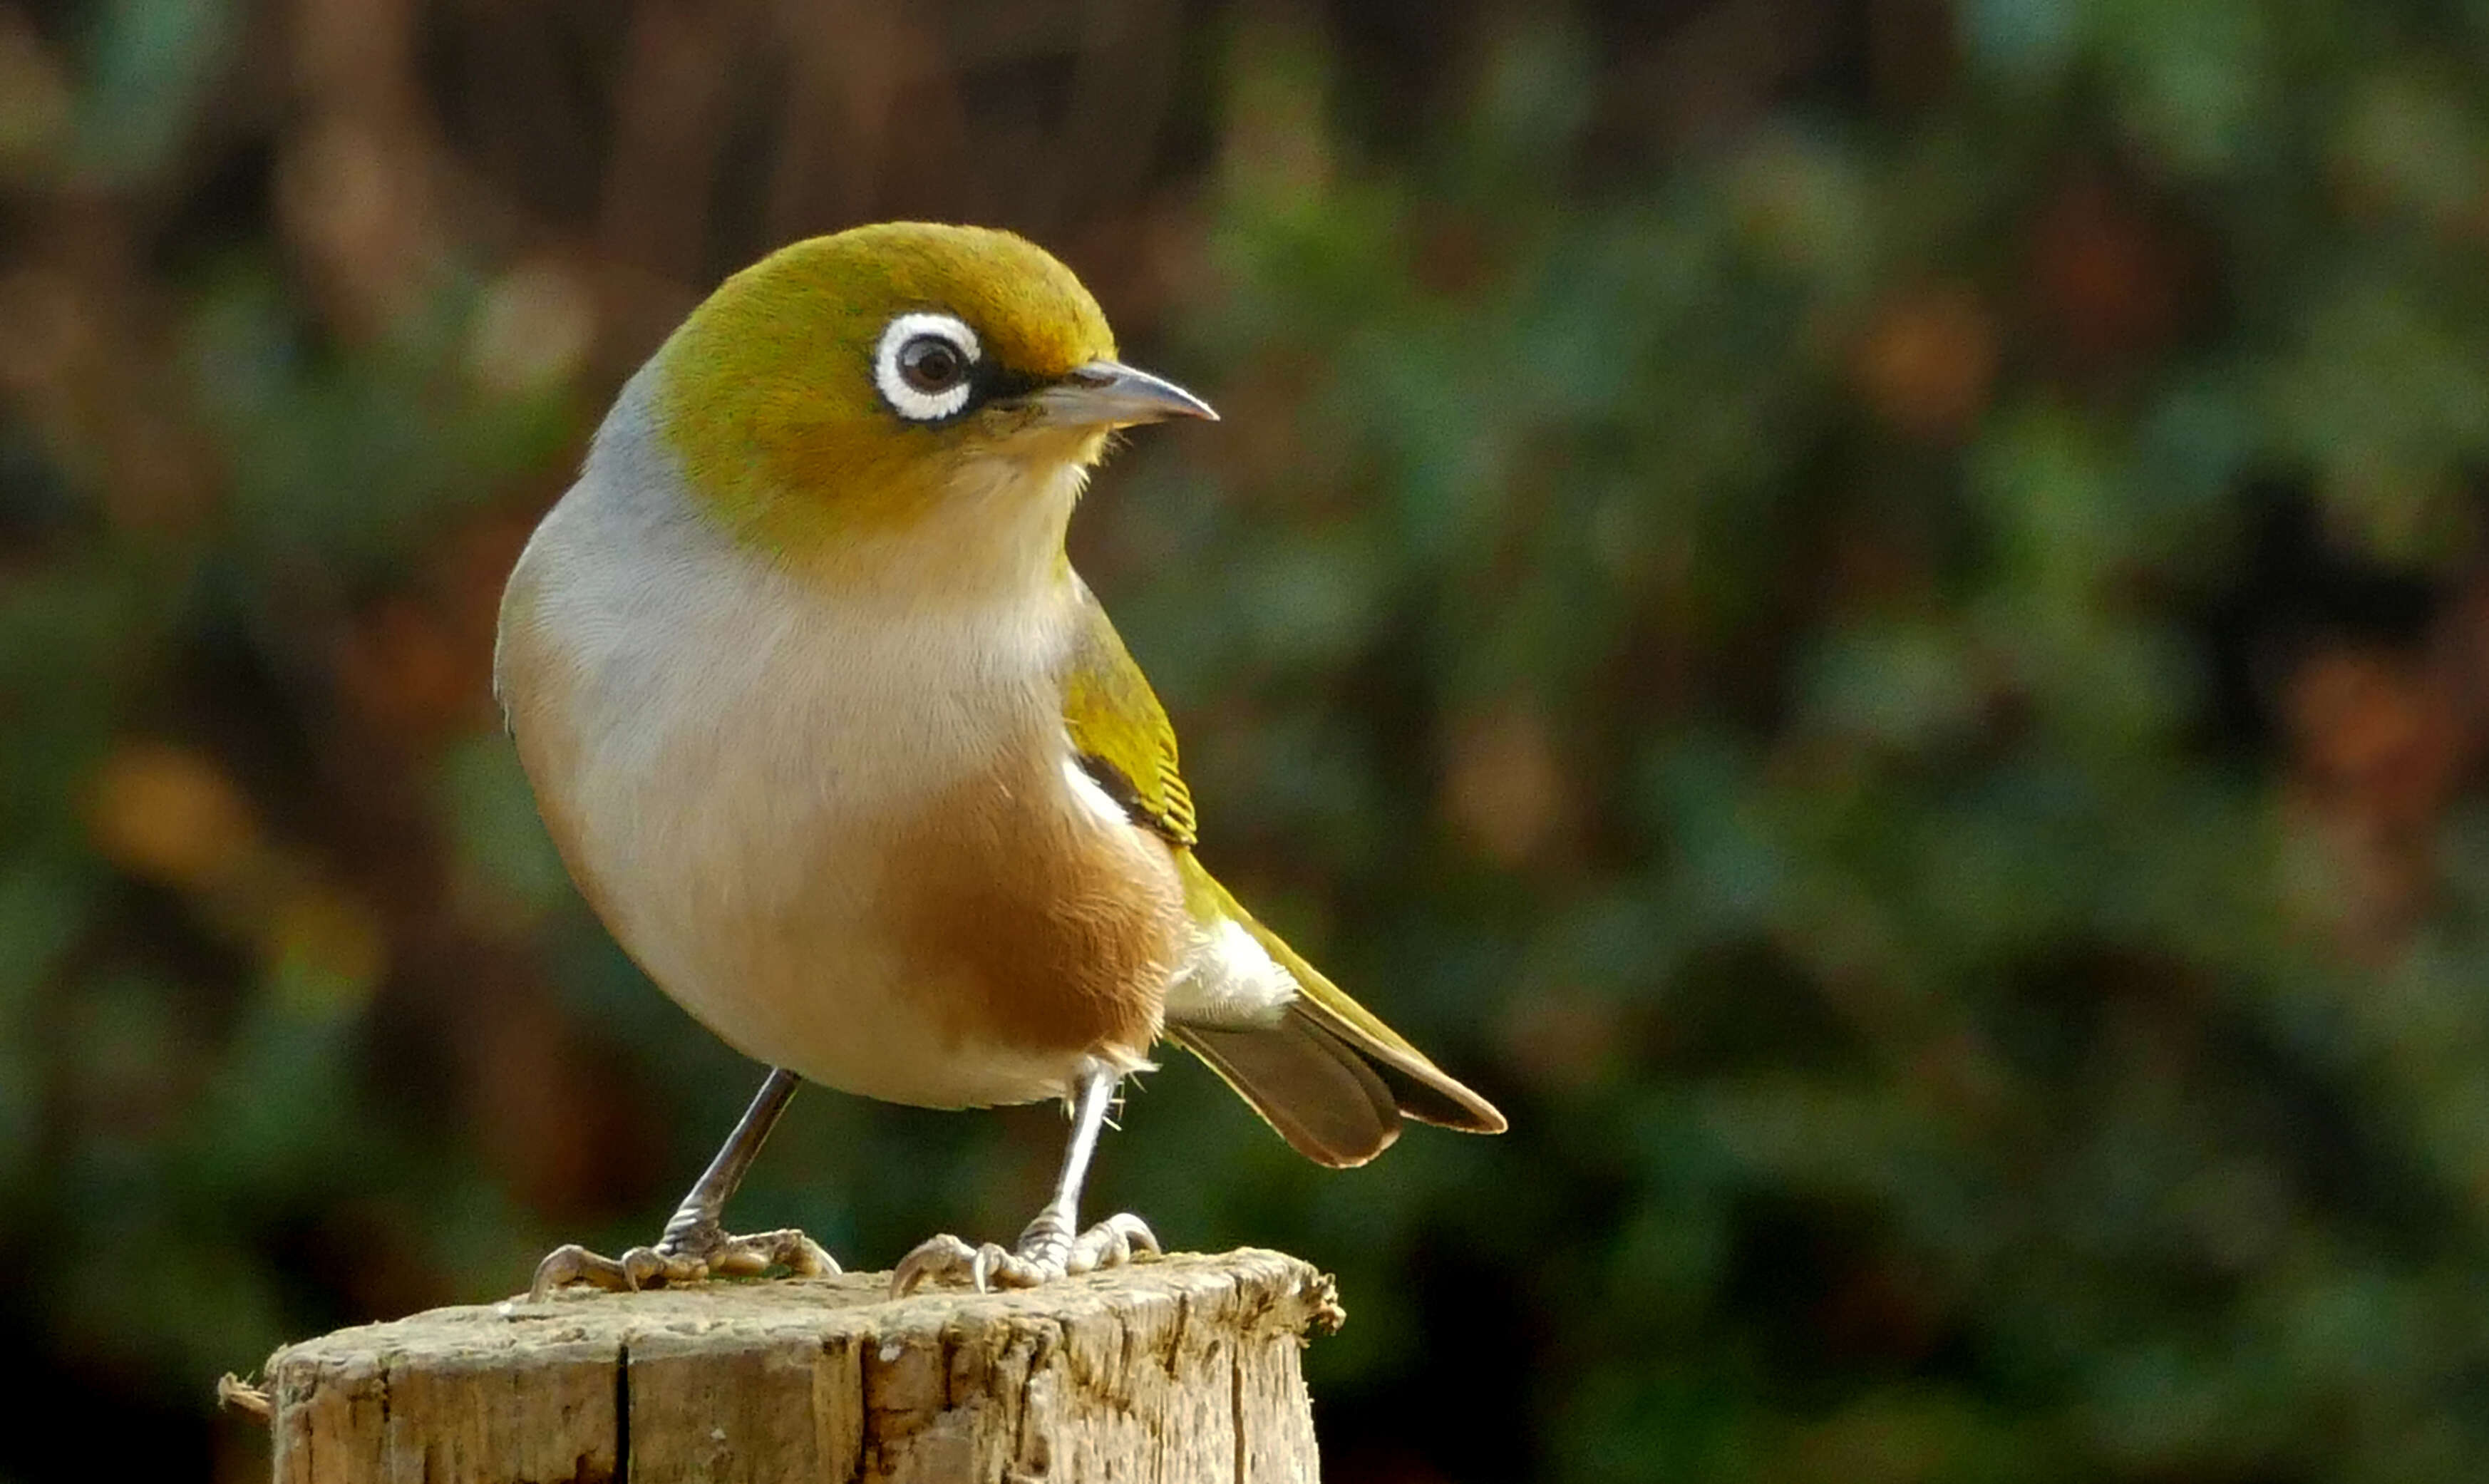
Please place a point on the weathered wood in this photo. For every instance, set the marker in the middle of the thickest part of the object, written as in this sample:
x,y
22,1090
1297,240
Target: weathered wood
x,y
1182,1371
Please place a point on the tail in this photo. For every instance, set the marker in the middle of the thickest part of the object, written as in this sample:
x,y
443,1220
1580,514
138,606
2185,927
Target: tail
x,y
1331,1076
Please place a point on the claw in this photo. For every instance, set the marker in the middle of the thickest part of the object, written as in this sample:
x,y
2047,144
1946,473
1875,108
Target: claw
x,y
1048,1251
1118,1240
944,1259
675,1260
571,1263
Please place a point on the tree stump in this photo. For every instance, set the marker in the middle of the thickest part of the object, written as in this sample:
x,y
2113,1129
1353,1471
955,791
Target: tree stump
x,y
1181,1371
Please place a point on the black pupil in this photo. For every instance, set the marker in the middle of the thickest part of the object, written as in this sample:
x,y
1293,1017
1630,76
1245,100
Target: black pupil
x,y
931,363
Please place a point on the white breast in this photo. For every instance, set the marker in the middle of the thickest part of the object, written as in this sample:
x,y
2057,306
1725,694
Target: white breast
x,y
722,750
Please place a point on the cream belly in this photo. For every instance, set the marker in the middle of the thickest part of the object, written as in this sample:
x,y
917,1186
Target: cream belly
x,y
840,832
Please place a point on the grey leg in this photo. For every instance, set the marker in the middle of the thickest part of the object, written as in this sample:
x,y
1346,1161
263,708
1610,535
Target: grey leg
x,y
695,1243
1048,1249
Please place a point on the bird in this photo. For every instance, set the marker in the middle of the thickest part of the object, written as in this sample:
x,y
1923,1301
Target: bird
x,y
853,764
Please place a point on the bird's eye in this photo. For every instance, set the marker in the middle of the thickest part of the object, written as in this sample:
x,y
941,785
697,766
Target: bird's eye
x,y
925,366
931,363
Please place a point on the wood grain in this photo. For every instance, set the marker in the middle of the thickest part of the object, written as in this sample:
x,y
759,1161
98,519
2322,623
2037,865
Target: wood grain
x,y
1181,1371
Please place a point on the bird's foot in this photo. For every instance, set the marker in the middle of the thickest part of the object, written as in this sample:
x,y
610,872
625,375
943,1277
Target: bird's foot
x,y
685,1256
1047,1250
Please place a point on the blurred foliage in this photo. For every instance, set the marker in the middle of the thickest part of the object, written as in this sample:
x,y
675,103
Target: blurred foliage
x,y
1873,612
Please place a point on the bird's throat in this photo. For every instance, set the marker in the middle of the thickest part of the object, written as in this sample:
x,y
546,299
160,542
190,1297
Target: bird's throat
x,y
989,532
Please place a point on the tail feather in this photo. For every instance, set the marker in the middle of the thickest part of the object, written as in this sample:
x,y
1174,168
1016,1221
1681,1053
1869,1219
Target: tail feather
x,y
1321,1096
1329,1077
1422,1090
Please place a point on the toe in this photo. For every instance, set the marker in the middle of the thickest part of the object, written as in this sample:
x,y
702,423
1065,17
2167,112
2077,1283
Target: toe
x,y
740,1261
997,1266
1048,1251
651,1267
682,1258
937,1259
805,1257
749,1257
1112,1244
572,1264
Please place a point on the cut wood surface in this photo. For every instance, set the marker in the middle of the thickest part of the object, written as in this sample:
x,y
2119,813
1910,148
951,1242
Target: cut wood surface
x,y
1181,1371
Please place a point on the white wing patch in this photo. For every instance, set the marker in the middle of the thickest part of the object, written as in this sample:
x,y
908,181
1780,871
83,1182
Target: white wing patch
x,y
1096,801
1228,978
1232,982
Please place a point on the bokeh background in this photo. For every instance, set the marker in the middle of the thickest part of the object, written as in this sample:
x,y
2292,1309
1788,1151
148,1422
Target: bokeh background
x,y
1874,613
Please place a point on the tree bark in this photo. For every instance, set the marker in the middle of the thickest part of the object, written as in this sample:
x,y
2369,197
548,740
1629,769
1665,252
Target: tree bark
x,y
1182,1371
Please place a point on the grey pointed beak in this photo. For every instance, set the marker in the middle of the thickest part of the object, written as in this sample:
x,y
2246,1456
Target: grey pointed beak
x,y
1108,393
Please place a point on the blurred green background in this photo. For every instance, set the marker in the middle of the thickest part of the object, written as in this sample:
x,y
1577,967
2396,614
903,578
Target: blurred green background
x,y
1874,613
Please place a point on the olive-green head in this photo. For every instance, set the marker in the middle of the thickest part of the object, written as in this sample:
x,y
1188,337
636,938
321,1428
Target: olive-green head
x,y
843,386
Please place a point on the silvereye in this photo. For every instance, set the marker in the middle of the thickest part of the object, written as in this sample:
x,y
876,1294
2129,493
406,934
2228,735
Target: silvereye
x,y
853,764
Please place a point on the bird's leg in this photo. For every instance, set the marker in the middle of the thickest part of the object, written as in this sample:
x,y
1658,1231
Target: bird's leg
x,y
696,1244
1047,1247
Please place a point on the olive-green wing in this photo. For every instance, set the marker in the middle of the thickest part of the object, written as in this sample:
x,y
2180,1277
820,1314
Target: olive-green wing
x,y
1120,732
1328,1074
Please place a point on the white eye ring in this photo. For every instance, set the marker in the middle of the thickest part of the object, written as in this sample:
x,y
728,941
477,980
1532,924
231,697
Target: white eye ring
x,y
906,401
